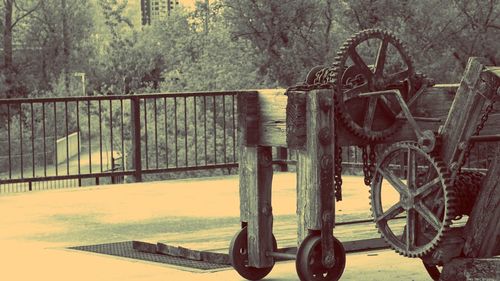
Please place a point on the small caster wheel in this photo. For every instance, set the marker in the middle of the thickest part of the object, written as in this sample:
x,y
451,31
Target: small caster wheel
x,y
238,256
309,260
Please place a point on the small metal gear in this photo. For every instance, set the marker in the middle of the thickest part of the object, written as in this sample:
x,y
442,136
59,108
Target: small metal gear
x,y
371,118
421,185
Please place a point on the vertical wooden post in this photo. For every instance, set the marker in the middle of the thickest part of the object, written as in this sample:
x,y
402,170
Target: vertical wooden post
x,y
255,174
135,128
260,223
482,231
312,164
282,154
459,127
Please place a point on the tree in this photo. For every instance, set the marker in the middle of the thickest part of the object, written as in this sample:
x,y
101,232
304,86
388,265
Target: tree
x,y
13,14
292,36
442,35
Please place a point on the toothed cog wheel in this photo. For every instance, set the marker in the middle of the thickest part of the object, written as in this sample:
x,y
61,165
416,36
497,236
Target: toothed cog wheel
x,y
410,181
372,60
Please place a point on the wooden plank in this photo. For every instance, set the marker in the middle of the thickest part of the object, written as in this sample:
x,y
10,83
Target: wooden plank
x,y
365,245
468,269
248,132
217,258
144,247
309,167
447,249
435,103
246,180
260,218
248,108
178,251
464,113
482,230
168,250
272,117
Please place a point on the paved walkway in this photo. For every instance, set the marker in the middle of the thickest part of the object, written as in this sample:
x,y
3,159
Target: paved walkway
x,y
36,228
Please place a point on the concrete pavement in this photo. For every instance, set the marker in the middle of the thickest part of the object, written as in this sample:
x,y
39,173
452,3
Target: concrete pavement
x,y
36,228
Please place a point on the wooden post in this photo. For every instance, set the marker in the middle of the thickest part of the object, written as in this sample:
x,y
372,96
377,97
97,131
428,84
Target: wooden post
x,y
315,157
482,231
135,128
464,114
255,174
282,154
260,221
485,269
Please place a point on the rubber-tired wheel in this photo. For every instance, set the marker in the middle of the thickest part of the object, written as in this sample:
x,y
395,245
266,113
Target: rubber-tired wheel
x,y
238,256
309,263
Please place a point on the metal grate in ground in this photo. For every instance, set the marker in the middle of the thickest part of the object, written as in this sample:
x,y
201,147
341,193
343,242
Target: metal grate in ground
x,y
125,249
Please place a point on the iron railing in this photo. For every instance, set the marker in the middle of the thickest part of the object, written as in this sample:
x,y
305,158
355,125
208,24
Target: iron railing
x,y
50,143
111,137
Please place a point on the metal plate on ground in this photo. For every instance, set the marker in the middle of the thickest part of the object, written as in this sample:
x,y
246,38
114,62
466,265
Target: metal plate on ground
x,y
125,249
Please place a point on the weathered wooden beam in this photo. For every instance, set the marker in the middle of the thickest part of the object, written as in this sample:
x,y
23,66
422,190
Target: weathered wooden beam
x,y
249,117
259,171
485,269
248,110
434,103
482,231
316,156
464,114
255,178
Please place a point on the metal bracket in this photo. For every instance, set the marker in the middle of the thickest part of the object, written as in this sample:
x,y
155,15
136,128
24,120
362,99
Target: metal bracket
x,y
426,139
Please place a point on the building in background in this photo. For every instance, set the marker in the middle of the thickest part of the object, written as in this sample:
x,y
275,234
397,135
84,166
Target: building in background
x,y
153,10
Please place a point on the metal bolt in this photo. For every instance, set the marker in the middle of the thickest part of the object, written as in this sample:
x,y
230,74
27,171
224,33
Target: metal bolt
x,y
266,159
267,210
327,217
329,261
483,87
325,136
326,161
462,145
325,103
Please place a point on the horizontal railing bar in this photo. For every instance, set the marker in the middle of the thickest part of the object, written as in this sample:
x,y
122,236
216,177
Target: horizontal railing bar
x,y
121,173
186,169
122,97
67,177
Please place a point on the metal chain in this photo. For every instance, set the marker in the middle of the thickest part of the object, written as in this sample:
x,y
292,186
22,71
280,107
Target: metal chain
x,y
369,159
373,160
337,176
323,80
366,165
479,128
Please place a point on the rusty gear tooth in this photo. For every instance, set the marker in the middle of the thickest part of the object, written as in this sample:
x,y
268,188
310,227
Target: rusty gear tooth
x,y
388,127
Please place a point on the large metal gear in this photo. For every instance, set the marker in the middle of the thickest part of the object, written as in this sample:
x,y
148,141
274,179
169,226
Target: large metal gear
x,y
416,183
371,60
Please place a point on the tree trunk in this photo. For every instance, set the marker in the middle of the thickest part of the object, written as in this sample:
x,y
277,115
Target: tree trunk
x,y
66,46
7,47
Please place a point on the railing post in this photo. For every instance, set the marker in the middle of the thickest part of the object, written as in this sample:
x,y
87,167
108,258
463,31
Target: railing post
x,y
282,154
135,125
